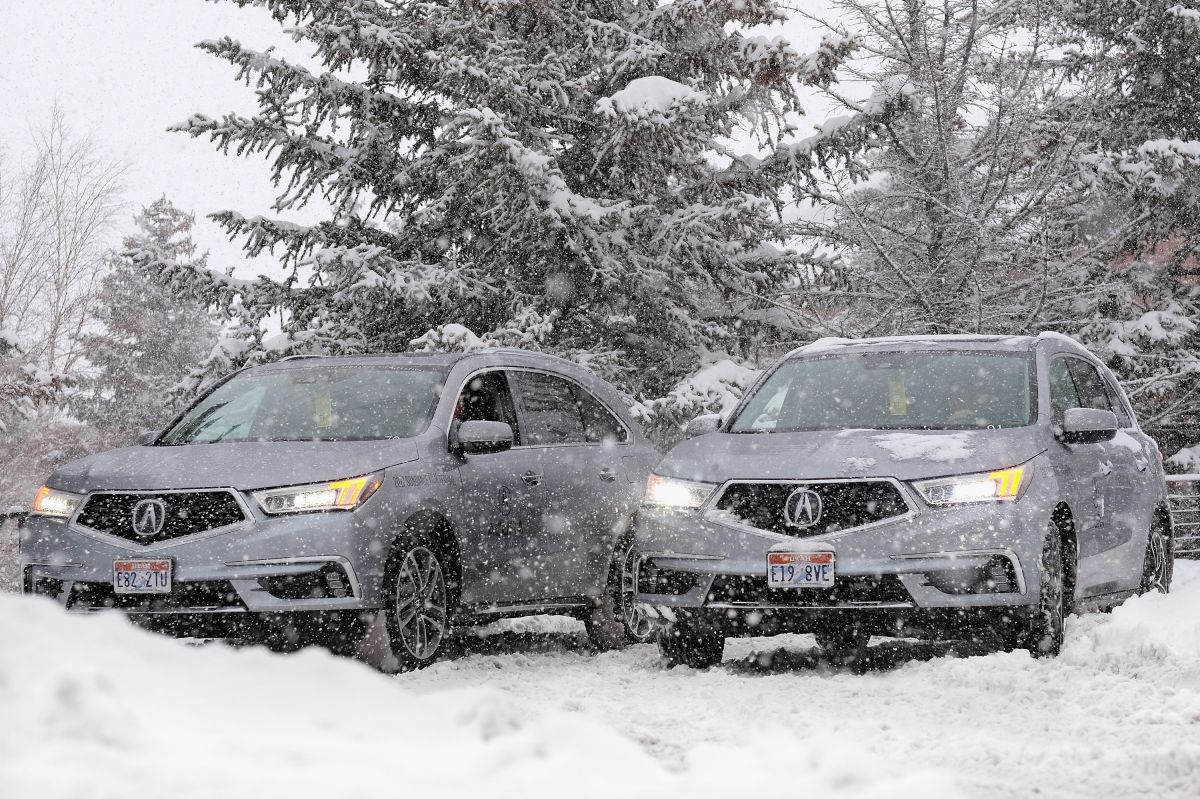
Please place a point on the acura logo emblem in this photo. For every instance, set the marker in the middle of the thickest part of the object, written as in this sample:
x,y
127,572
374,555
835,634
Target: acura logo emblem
x,y
149,516
803,508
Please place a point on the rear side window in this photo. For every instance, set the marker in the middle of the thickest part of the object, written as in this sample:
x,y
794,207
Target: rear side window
x,y
1063,395
599,424
1118,406
549,412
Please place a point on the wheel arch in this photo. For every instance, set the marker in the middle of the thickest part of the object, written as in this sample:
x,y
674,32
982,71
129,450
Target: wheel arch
x,y
442,534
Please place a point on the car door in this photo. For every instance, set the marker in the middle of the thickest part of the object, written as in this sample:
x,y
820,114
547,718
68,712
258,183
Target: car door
x,y
1079,472
500,516
1145,483
608,495
578,478
1088,475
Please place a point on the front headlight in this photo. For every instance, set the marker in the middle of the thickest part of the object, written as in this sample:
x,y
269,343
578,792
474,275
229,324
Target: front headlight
x,y
1001,485
319,497
670,492
58,504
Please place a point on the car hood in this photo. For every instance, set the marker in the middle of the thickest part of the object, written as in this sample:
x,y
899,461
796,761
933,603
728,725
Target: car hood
x,y
903,454
242,465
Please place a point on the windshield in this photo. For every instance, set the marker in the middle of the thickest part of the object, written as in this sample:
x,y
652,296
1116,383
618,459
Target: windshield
x,y
322,403
893,391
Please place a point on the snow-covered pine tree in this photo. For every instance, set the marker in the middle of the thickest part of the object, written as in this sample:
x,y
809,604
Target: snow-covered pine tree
x,y
150,340
22,386
945,198
1145,56
553,175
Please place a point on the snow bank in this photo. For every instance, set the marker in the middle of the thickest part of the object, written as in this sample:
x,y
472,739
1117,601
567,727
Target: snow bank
x,y
93,707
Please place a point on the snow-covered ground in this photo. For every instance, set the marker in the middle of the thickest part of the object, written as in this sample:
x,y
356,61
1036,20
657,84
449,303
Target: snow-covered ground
x,y
91,707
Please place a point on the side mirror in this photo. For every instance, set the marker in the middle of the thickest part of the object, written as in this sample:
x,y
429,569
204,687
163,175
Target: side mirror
x,y
1088,426
477,438
145,437
702,425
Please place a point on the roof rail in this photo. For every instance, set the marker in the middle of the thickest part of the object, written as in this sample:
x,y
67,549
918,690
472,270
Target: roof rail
x,y
519,351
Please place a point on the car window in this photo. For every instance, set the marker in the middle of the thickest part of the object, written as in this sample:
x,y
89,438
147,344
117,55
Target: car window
x,y
1092,393
1118,406
599,424
313,403
1063,394
486,398
549,412
905,390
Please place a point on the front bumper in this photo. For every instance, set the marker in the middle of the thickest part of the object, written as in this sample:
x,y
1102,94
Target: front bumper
x,y
932,568
310,562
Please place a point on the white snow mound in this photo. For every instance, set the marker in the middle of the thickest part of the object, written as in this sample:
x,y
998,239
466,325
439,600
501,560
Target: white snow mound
x,y
93,706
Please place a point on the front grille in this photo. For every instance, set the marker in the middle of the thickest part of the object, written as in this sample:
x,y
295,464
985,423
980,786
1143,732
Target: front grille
x,y
185,596
184,513
864,590
842,505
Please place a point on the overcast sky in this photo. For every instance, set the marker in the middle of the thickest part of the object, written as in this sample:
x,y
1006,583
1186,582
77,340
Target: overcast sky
x,y
124,70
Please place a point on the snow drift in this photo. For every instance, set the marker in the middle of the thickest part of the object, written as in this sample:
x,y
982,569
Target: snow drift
x,y
93,706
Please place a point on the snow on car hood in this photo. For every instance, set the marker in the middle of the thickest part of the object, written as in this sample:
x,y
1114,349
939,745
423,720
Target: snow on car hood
x,y
242,465
904,454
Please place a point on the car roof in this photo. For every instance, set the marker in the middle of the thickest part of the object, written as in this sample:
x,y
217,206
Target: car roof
x,y
444,359
935,342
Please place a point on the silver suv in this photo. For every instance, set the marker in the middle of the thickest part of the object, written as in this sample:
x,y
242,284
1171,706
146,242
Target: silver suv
x,y
303,497
938,487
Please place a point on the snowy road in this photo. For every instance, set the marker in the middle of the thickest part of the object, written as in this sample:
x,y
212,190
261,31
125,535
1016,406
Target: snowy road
x,y
1118,714
89,704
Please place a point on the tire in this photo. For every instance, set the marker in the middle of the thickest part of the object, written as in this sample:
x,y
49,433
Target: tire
x,y
1042,632
689,642
843,644
1158,565
615,621
416,604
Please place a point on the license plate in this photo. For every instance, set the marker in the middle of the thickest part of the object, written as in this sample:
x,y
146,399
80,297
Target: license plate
x,y
800,569
142,577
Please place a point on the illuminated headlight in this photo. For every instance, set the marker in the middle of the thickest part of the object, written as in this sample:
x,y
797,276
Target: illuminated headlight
x,y
318,497
669,492
1002,484
58,504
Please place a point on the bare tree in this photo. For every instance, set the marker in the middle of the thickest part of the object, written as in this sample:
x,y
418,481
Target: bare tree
x,y
56,215
950,199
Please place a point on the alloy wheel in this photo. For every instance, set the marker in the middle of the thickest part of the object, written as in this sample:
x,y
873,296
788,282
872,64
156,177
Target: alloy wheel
x,y
637,621
421,606
1157,563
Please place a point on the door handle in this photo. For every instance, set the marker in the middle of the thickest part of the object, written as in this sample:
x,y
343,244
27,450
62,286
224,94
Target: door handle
x,y
1106,468
1141,463
607,475
532,478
